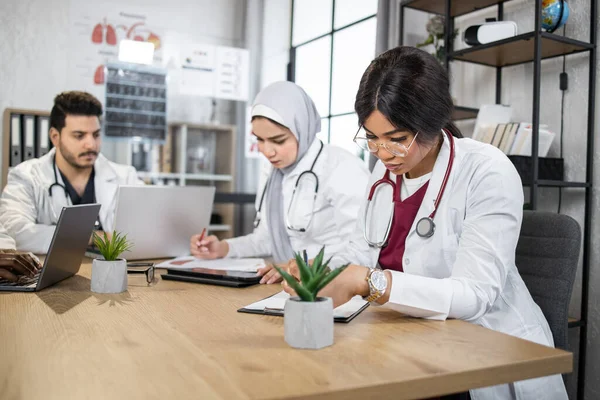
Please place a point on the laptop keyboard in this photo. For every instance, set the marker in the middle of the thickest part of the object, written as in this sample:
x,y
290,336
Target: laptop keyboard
x,y
23,281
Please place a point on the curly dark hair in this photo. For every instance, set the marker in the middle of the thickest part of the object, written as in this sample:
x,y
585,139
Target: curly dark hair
x,y
73,103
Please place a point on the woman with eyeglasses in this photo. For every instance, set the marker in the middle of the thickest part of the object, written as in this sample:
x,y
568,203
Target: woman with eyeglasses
x,y
309,193
439,228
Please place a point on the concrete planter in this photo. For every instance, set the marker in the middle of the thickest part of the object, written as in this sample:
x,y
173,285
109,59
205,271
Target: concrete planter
x,y
308,325
109,276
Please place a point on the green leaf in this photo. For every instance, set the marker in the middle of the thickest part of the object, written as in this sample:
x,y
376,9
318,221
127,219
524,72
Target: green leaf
x,y
332,275
304,294
324,266
427,41
315,281
305,272
112,248
318,260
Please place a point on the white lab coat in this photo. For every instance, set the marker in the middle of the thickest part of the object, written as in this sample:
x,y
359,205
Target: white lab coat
x,y
30,214
342,179
6,242
467,269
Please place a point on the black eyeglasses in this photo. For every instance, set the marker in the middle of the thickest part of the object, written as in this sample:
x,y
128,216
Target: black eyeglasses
x,y
142,268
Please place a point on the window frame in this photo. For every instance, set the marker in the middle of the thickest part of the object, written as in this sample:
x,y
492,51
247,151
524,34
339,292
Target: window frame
x,y
291,72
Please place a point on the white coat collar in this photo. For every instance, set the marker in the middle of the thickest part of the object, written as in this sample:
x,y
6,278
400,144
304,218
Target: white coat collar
x,y
106,184
307,161
435,182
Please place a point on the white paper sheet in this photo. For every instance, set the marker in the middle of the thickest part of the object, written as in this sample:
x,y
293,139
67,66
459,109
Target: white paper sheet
x,y
277,302
228,264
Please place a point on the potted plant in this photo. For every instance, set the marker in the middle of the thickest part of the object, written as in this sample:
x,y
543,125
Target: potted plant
x,y
109,273
308,318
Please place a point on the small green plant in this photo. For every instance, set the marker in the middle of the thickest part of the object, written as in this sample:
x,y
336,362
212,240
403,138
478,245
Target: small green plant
x,y
313,277
111,248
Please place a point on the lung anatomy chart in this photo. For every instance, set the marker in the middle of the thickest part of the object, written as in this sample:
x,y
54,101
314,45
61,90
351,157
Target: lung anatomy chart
x,y
96,31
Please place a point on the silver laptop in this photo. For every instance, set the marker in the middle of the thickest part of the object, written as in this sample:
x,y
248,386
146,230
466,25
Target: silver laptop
x,y
65,254
159,220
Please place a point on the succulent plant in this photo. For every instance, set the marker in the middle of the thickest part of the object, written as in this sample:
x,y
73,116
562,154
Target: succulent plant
x,y
313,277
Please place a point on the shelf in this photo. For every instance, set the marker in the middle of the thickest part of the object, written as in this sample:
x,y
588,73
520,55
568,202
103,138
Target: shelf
x,y
133,111
235,198
574,322
132,97
548,183
127,82
208,177
219,228
458,7
461,113
519,49
175,175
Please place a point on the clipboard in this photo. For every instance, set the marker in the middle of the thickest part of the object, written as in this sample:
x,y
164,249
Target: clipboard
x,y
278,312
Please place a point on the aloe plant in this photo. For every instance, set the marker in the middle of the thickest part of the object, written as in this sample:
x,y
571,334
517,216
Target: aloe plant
x,y
111,248
313,277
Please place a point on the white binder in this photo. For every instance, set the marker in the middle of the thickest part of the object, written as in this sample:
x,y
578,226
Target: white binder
x,y
15,140
29,134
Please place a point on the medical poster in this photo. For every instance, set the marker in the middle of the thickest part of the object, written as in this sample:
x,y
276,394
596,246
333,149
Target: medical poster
x,y
198,64
95,32
232,76
214,71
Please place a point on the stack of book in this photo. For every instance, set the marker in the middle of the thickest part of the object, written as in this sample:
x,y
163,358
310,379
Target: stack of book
x,y
514,138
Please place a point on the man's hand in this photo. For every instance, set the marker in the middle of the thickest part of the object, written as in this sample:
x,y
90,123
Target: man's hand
x,y
13,265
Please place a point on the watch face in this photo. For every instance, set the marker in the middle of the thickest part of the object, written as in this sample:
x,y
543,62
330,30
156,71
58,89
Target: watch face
x,y
379,280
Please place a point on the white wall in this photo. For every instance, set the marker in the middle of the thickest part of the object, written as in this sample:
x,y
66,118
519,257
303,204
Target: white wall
x,y
276,41
35,52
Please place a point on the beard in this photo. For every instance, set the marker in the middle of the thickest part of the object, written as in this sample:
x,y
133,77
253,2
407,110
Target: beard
x,y
71,158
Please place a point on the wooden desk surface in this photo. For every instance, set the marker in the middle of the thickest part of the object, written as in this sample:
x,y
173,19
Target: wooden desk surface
x,y
184,340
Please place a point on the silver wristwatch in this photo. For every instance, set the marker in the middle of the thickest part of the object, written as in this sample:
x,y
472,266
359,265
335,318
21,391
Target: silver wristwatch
x,y
378,284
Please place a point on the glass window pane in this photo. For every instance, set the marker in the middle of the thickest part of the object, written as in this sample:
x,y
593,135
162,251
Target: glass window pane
x,y
343,129
324,134
353,50
312,18
313,62
349,11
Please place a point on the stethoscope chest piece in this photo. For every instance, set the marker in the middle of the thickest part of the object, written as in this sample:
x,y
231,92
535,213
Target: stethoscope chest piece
x,y
425,227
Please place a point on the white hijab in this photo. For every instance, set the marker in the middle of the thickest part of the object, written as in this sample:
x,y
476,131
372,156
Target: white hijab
x,y
287,104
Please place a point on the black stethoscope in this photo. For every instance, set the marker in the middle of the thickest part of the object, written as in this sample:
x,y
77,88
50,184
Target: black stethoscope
x,y
425,227
56,183
257,219
64,188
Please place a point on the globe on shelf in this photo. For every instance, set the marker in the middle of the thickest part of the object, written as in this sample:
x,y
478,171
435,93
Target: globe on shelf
x,y
554,14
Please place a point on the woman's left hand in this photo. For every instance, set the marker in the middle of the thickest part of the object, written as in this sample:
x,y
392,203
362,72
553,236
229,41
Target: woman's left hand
x,y
346,285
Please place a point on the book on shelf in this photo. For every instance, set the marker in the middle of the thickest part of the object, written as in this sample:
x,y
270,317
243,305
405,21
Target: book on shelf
x,y
514,138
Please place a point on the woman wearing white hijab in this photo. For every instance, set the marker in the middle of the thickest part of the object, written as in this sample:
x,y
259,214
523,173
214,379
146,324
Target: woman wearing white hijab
x,y
286,122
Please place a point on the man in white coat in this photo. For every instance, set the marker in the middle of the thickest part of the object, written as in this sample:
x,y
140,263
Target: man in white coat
x,y
73,172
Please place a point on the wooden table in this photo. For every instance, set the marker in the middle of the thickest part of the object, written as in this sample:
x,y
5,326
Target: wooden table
x,y
186,341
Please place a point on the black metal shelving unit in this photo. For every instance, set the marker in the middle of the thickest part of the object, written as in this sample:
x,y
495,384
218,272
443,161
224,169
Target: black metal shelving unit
x,y
525,48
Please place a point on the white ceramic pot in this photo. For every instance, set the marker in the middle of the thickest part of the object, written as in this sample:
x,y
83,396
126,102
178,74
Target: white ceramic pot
x,y
308,325
109,276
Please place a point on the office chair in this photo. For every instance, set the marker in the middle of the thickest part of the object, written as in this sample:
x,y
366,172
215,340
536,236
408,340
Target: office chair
x,y
547,258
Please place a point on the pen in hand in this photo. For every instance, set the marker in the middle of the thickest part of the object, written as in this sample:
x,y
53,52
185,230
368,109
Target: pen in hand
x,y
201,238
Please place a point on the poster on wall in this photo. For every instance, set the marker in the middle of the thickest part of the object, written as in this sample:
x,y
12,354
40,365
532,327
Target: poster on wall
x,y
232,70
214,71
198,70
95,32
